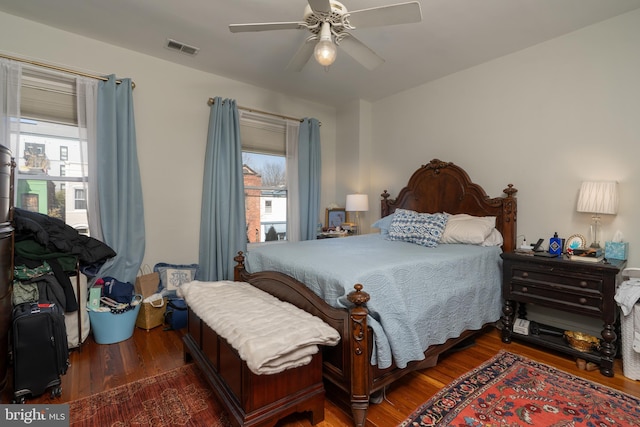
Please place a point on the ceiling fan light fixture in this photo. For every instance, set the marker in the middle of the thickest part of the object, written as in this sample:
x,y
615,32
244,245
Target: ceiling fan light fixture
x,y
325,51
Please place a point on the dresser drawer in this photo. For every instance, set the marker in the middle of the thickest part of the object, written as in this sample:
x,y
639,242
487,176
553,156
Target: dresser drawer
x,y
588,303
558,278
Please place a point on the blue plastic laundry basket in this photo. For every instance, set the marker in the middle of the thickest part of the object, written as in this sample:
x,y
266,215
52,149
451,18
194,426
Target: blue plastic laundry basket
x,y
110,328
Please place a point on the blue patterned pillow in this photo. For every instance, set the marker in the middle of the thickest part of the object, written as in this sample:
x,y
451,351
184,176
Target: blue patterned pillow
x,y
172,276
421,228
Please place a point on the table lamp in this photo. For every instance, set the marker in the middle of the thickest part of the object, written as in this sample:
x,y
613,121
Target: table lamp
x,y
357,203
598,198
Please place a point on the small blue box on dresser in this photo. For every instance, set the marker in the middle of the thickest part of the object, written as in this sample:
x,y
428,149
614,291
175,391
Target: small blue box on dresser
x,y
616,250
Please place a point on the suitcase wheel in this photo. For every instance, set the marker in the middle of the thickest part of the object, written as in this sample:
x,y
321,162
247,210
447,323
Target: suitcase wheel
x,y
19,400
56,392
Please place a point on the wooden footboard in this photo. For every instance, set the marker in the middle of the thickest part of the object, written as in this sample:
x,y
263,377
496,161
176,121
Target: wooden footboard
x,y
346,366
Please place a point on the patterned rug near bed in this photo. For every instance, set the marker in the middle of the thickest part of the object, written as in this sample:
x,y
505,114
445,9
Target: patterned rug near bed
x,y
511,390
180,397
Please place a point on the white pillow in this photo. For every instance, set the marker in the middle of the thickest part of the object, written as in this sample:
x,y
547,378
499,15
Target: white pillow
x,y
494,239
467,229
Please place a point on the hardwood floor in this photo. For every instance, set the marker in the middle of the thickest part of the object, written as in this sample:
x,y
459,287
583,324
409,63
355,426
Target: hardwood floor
x,y
100,367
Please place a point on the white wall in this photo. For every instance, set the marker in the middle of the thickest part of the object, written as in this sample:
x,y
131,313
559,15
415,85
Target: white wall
x,y
353,158
544,119
171,116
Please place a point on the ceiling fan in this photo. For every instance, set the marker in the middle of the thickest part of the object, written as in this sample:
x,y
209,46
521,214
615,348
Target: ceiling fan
x,y
329,22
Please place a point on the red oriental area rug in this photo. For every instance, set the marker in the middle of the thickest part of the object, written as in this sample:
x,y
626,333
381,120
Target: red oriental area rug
x,y
511,390
180,397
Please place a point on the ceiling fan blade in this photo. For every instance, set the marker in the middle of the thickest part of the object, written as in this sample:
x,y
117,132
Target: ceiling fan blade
x,y
401,13
268,26
302,56
360,52
320,5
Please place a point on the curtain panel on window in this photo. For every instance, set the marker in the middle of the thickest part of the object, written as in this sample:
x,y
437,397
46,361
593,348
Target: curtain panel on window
x,y
223,221
119,185
309,168
87,103
293,191
10,74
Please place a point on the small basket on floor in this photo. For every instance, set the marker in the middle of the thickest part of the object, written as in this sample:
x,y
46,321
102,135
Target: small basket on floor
x,y
110,328
151,314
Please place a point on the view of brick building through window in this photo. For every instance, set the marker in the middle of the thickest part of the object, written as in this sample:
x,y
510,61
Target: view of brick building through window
x,y
252,203
265,197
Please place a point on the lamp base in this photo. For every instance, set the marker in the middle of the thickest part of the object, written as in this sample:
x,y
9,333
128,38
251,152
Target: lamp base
x,y
595,232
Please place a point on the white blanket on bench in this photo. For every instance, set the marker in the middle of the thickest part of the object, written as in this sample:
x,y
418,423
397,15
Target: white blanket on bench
x,y
270,335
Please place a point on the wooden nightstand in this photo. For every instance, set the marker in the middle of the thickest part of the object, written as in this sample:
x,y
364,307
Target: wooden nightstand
x,y
578,287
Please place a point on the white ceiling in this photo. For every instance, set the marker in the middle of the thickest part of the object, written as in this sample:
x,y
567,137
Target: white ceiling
x,y
453,35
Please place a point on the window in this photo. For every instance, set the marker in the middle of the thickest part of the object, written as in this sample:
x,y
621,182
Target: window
x,y
265,195
80,199
50,158
265,176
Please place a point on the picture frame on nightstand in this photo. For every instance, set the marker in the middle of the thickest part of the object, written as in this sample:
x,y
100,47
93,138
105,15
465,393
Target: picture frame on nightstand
x,y
335,217
575,241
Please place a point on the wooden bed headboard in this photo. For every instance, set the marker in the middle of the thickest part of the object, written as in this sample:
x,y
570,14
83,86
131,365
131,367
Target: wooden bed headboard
x,y
444,187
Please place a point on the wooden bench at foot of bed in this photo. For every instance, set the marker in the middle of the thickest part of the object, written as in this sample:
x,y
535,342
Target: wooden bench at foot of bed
x,y
250,399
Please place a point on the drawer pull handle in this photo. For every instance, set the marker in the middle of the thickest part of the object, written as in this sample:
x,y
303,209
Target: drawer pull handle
x,y
582,300
525,275
525,289
583,284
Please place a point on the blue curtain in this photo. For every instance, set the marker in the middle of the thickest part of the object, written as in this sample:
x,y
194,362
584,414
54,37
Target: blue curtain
x,y
119,186
223,229
309,177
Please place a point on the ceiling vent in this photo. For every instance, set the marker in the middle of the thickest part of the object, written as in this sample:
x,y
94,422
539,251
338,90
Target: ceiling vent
x,y
181,47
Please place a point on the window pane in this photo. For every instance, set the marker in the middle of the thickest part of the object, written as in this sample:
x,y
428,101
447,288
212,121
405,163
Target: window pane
x,y
265,183
51,165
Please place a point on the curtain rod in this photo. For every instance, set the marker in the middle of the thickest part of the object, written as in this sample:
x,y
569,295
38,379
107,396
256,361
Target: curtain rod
x,y
57,68
211,101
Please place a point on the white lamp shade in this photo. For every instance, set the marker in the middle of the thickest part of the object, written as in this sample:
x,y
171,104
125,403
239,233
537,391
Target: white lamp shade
x,y
357,203
598,197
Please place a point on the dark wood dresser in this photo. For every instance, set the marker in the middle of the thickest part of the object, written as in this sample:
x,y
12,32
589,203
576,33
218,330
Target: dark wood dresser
x,y
578,287
6,258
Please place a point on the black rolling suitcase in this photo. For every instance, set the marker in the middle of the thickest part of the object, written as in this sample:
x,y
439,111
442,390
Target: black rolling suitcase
x,y
40,351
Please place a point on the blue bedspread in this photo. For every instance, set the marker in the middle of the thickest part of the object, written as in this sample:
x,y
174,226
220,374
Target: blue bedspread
x,y
419,296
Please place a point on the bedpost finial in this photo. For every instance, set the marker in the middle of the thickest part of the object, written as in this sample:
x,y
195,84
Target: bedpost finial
x,y
358,297
238,270
510,190
385,195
